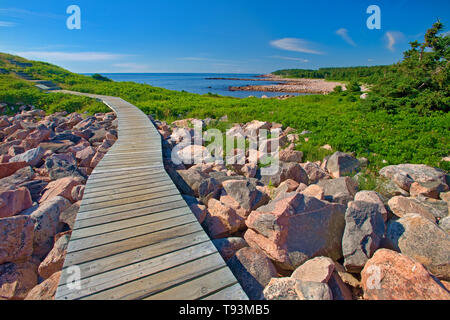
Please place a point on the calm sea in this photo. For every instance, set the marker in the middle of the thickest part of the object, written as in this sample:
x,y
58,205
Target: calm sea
x,y
196,82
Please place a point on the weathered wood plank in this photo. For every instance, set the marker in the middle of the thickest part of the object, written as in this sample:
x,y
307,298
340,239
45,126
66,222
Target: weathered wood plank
x,y
138,270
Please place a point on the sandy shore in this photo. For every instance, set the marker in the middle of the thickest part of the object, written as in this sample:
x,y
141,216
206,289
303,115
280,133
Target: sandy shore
x,y
291,85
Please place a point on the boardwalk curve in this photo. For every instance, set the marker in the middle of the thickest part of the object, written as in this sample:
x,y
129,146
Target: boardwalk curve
x,y
134,236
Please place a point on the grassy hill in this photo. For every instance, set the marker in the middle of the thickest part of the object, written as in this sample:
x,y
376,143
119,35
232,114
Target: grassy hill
x,y
337,119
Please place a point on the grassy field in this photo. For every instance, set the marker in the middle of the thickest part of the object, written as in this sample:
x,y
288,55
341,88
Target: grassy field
x,y
338,119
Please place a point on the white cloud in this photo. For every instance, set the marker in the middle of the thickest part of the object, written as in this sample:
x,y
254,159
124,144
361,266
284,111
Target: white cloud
x,y
392,38
290,58
294,44
69,56
343,33
7,24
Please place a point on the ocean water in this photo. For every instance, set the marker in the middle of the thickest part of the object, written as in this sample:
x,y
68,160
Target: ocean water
x,y
197,82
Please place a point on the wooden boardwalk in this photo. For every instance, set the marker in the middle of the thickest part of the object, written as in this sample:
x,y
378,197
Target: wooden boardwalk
x,y
135,237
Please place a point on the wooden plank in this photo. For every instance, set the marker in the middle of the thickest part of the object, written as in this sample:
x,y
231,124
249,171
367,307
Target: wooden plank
x,y
126,207
91,268
146,286
81,240
199,287
234,292
129,223
135,184
124,195
109,249
117,277
178,206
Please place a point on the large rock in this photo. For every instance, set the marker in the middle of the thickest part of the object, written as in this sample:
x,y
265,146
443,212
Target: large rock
x,y
13,202
58,168
85,156
54,261
229,246
428,208
389,189
430,189
319,269
444,224
16,239
364,231
31,157
389,275
342,164
340,190
45,290
194,154
61,187
222,221
295,228
246,194
7,169
315,191
288,155
372,197
253,270
193,178
287,170
315,172
292,289
35,187
16,280
286,186
324,270
69,215
17,178
207,189
404,175
47,224
422,240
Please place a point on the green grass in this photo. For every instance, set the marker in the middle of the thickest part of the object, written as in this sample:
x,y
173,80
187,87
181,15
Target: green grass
x,y
336,119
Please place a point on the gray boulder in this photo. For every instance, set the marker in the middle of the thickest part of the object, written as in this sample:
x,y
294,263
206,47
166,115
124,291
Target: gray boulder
x,y
287,170
364,231
58,168
405,174
422,240
32,157
342,164
246,194
253,270
47,224
340,190
229,246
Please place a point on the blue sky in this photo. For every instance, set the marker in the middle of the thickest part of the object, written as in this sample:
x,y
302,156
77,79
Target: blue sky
x,y
232,36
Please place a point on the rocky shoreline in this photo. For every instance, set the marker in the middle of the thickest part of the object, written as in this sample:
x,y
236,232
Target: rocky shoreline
x,y
315,86
45,161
